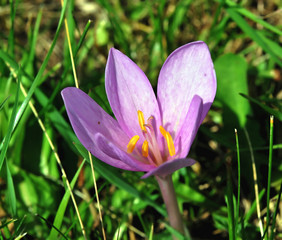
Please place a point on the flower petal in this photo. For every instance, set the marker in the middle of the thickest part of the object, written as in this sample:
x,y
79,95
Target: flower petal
x,y
107,150
170,167
187,133
188,71
88,118
129,90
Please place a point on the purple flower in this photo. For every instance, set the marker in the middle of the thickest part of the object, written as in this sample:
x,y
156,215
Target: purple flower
x,y
149,134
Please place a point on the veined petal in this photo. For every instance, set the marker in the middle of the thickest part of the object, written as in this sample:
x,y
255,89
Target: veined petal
x,y
188,71
88,118
190,126
129,90
170,167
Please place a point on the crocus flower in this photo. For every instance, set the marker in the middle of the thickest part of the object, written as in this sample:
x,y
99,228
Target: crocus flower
x,y
150,134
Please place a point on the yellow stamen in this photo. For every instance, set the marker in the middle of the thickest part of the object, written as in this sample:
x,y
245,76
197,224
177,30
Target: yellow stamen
x,y
141,120
163,131
145,149
170,144
169,141
132,143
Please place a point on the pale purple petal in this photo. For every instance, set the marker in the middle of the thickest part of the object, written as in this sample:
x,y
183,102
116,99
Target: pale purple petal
x,y
106,152
187,133
129,90
170,167
87,119
114,152
188,71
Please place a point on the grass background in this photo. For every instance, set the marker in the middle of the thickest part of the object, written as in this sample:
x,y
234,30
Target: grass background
x,y
244,38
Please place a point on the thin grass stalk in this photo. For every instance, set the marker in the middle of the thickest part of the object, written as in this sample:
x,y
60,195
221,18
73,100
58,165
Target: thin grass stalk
x,y
77,86
230,204
90,157
134,230
53,226
11,194
97,195
151,232
57,158
70,49
269,174
239,180
86,28
255,181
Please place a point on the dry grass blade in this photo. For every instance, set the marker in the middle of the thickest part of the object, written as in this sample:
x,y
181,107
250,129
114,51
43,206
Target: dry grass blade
x,y
97,196
90,158
255,181
57,158
35,113
54,151
70,49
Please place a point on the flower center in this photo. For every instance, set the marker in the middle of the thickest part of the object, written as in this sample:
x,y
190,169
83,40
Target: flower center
x,y
150,148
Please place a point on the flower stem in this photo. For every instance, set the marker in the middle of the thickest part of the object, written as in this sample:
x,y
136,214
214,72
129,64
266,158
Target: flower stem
x,y
168,193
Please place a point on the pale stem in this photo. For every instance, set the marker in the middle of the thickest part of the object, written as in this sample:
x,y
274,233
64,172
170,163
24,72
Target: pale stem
x,y
168,193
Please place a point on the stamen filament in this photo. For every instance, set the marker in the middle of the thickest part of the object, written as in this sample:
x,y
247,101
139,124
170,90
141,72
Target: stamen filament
x,y
132,143
153,146
145,149
141,120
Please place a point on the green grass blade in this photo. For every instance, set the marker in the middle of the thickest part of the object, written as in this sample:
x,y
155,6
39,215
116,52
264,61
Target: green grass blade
x,y
41,70
245,12
2,104
18,230
174,232
11,196
271,111
11,124
81,40
252,34
230,204
5,230
31,51
63,205
269,175
13,64
53,227
239,181
67,67
151,232
6,223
